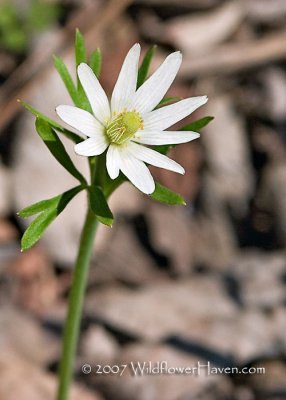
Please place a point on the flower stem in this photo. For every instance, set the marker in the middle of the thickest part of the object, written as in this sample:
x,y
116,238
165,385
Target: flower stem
x,y
72,325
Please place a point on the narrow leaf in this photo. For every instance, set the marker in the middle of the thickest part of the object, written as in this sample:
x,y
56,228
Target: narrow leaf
x,y
95,62
53,202
167,196
36,208
80,50
67,79
83,100
36,229
80,57
99,206
56,147
144,68
197,125
70,135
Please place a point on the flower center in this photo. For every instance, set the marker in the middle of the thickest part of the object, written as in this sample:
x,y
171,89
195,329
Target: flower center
x,y
123,127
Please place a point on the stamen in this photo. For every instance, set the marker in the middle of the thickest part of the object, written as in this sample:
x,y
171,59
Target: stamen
x,y
123,127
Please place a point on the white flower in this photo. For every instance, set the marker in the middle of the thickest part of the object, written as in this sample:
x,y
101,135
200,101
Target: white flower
x,y
129,121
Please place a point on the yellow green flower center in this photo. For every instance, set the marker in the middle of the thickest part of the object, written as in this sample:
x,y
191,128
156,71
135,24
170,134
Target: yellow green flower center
x,y
123,127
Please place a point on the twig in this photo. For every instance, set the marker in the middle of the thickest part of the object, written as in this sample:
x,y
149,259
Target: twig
x,y
236,57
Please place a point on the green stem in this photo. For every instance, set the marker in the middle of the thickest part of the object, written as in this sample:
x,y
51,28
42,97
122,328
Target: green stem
x,y
99,175
72,325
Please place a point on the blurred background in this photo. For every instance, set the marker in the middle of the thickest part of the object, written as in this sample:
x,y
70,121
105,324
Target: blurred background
x,y
201,283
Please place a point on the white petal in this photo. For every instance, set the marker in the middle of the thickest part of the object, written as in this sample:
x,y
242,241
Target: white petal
x,y
167,116
81,120
165,137
136,171
153,90
125,87
112,161
94,92
154,158
91,147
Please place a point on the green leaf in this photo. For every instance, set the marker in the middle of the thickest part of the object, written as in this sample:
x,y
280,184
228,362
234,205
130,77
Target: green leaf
x,y
80,50
167,196
36,208
80,57
83,102
95,62
99,206
168,100
56,147
70,135
53,202
67,79
144,68
197,125
36,229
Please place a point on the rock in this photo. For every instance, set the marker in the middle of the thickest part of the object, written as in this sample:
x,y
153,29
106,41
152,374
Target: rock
x,y
8,233
259,275
33,281
195,385
123,258
275,81
195,34
239,338
8,63
119,203
161,309
9,244
98,346
229,178
5,191
185,3
172,234
244,393
264,11
198,33
21,379
272,382
274,181
24,335
214,243
267,140
278,321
